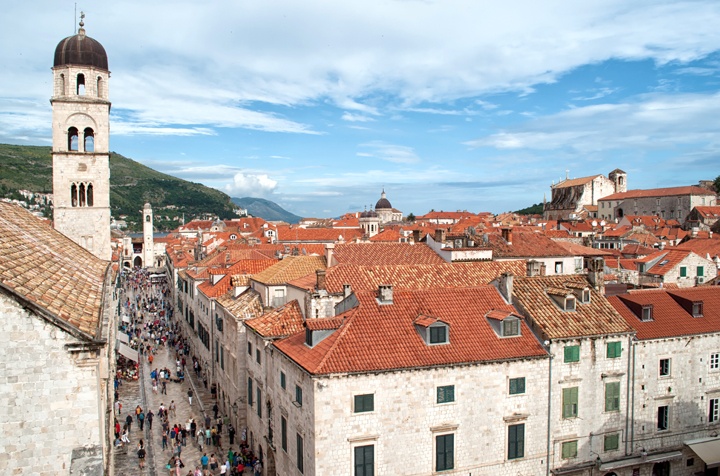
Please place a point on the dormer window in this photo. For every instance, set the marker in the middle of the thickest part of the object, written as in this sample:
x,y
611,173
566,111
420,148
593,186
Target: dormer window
x,y
697,309
511,327
432,330
585,296
504,323
308,337
647,313
564,298
569,303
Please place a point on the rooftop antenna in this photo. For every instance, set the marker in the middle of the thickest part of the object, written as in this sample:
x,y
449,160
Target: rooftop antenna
x,y
567,174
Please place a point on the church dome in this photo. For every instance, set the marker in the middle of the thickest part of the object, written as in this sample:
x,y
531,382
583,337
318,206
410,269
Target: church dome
x,y
81,50
383,203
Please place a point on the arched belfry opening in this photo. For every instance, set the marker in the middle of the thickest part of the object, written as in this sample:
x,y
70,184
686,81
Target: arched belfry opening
x,y
99,89
137,262
89,139
90,195
72,139
80,84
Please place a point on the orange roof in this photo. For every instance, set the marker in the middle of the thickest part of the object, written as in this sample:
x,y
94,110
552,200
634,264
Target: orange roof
x,y
665,261
247,304
281,322
524,245
575,182
214,290
290,268
708,212
580,250
422,276
48,269
387,235
671,314
385,254
295,234
701,246
658,192
389,331
597,317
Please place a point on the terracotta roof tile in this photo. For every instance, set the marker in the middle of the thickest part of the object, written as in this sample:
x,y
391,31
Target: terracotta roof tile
x,y
524,245
597,317
388,235
377,337
289,269
659,192
385,254
295,234
281,322
574,182
47,268
580,250
365,278
246,305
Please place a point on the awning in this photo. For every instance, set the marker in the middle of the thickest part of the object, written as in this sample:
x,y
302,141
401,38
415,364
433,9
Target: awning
x,y
636,461
129,352
708,449
123,338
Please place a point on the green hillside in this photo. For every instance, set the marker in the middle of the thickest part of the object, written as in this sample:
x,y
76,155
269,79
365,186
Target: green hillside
x,y
131,186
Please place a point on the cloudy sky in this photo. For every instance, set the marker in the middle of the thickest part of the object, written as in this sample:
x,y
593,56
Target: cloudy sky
x,y
448,104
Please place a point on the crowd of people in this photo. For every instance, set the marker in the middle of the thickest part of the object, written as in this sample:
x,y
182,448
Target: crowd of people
x,y
146,300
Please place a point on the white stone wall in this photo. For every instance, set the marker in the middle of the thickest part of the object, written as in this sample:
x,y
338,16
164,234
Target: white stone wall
x,y
406,418
691,264
49,399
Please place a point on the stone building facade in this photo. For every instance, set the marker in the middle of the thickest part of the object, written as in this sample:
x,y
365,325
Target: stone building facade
x,y
667,203
570,196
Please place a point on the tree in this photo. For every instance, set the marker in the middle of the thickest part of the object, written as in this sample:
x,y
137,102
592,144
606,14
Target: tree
x,y
410,217
716,184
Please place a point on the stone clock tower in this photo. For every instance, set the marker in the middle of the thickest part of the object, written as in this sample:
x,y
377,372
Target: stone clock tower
x,y
148,240
81,134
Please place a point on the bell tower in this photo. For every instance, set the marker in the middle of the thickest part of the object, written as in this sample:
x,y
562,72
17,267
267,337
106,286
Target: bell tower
x,y
148,241
80,150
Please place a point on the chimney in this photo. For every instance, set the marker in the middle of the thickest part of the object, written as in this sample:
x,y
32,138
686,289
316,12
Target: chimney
x,y
329,248
507,235
533,268
320,274
416,236
694,232
385,294
596,274
662,245
543,269
440,235
505,286
347,290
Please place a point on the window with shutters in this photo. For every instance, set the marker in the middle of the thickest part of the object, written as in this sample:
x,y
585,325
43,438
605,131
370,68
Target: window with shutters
x,y
300,460
569,449
664,367
444,452
517,385
611,442
614,349
572,353
714,415
445,394
701,271
283,382
715,361
283,433
612,396
364,460
683,271
570,402
364,403
662,417
298,396
516,441
250,391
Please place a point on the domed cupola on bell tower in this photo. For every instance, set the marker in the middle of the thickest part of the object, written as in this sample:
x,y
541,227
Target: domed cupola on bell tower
x,y
81,142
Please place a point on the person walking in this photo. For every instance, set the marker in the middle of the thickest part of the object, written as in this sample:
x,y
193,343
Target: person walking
x,y
141,419
231,434
190,395
141,454
164,439
172,408
215,410
128,421
149,418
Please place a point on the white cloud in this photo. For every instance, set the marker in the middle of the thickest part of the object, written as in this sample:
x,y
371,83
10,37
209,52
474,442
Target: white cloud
x,y
356,118
389,152
248,185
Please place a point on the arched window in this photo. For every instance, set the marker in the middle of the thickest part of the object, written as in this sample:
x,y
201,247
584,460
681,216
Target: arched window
x,y
73,195
80,84
73,138
62,84
89,195
99,86
147,218
89,145
81,194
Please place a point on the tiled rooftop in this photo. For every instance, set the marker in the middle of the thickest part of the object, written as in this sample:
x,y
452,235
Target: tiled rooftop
x,y
597,317
377,337
281,322
369,254
45,267
524,245
659,192
575,182
289,269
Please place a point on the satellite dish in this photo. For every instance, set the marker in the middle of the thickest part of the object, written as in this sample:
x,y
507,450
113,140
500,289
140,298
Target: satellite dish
x,y
594,223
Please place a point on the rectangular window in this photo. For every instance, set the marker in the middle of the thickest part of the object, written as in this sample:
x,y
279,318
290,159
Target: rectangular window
x,y
701,271
664,367
715,361
570,402
569,449
283,383
614,349
250,391
364,403
517,385
697,309
612,442
612,396
283,433
516,441
572,353
249,348
446,394
511,327
298,395
714,410
299,444
222,358
662,417
257,355
438,335
558,267
259,401
444,452
647,313
683,271
365,460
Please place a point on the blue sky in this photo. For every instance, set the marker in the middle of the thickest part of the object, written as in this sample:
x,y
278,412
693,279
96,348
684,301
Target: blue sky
x,y
319,105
